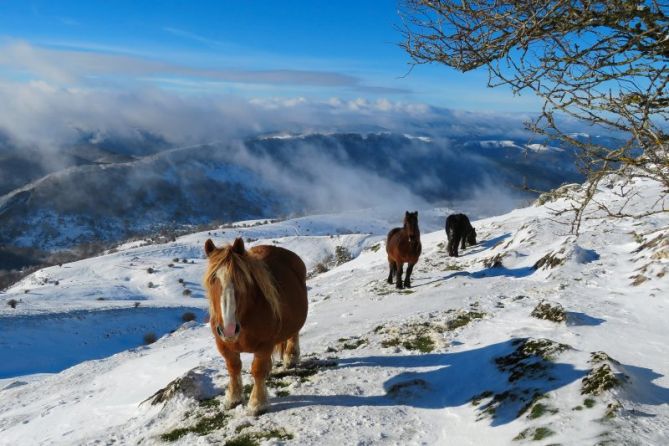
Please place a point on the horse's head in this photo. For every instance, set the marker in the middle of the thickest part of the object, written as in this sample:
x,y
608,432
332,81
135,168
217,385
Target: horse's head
x,y
233,280
220,283
411,226
471,237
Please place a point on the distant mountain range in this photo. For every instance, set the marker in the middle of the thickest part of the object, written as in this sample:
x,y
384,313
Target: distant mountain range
x,y
110,190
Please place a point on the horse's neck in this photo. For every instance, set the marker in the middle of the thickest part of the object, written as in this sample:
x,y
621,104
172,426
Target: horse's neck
x,y
405,228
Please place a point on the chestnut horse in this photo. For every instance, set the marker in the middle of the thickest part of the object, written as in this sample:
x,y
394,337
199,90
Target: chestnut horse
x,y
257,303
403,246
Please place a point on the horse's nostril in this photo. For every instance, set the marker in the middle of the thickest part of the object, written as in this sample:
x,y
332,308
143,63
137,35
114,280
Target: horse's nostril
x,y
237,329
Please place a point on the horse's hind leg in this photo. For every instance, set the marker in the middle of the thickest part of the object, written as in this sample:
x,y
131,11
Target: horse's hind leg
x,y
391,266
462,244
233,396
451,241
398,275
454,247
291,353
407,276
262,365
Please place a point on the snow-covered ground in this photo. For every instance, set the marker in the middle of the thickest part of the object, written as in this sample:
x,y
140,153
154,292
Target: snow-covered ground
x,y
458,359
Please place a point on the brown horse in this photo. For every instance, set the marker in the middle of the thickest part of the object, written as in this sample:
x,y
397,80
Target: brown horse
x,y
257,303
403,246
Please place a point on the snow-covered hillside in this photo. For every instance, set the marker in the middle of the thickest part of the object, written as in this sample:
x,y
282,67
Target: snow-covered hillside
x,y
458,359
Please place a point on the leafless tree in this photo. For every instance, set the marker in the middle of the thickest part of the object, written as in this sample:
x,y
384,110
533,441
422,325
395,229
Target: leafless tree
x,y
602,63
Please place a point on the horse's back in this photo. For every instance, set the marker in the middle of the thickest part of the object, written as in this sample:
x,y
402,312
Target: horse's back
x,y
391,235
290,275
278,258
457,222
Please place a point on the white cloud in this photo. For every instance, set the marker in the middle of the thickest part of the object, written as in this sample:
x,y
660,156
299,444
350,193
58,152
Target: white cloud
x,y
74,67
43,113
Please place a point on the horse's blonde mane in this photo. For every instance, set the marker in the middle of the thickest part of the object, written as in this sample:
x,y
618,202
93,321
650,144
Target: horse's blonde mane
x,y
244,271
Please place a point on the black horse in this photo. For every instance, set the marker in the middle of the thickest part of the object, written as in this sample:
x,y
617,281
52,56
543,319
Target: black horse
x,y
459,231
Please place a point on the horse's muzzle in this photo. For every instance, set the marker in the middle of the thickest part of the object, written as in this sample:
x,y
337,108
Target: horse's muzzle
x,y
219,331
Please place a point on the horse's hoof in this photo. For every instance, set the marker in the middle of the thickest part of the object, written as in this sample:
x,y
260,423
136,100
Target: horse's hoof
x,y
291,363
399,286
407,285
256,411
227,405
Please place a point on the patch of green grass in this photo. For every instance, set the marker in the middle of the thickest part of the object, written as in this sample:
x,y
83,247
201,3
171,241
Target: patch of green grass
x,y
212,402
598,380
378,328
422,343
529,401
375,248
254,438
282,393
204,426
392,342
549,311
463,319
453,267
248,388
242,440
242,426
306,369
175,434
534,434
531,358
539,410
577,408
542,432
273,382
589,403
355,343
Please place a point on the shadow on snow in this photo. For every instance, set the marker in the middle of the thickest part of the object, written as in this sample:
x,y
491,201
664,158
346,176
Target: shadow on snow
x,y
443,380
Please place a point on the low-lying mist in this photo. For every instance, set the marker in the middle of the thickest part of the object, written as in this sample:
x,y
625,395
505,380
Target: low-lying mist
x,y
84,166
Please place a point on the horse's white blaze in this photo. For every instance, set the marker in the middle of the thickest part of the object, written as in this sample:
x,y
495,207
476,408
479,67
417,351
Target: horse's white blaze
x,y
228,303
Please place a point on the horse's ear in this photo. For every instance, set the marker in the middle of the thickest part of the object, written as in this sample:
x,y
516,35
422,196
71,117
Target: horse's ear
x,y
406,213
238,246
209,247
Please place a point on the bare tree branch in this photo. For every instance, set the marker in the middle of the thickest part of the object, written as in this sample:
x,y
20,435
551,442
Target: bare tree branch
x,y
604,63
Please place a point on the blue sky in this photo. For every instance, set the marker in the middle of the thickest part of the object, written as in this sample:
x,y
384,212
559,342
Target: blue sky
x,y
314,49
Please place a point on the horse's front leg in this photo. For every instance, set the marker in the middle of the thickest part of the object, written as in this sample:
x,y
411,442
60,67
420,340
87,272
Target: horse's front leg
x,y
262,365
391,266
398,274
462,244
233,396
407,276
